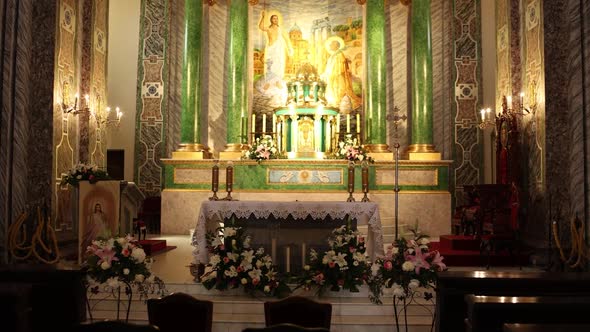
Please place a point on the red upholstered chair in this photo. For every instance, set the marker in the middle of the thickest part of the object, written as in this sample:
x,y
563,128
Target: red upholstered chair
x,y
180,312
298,310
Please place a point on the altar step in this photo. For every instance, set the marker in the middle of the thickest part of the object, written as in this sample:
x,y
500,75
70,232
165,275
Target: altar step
x,y
464,250
233,310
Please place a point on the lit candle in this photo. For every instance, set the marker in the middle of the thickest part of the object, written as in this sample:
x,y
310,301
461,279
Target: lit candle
x,y
483,114
87,100
358,123
303,254
521,100
348,123
253,123
509,102
264,123
287,259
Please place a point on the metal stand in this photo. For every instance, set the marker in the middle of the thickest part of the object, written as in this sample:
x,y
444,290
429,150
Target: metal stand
x,y
396,188
214,182
350,181
365,178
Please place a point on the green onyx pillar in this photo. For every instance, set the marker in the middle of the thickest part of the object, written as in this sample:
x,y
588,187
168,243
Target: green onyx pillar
x,y
190,146
237,101
421,147
375,97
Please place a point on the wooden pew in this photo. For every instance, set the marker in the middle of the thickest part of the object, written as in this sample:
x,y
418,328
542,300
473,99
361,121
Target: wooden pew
x,y
451,309
546,327
489,313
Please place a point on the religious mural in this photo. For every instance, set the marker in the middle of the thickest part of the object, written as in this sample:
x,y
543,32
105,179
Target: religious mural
x,y
306,40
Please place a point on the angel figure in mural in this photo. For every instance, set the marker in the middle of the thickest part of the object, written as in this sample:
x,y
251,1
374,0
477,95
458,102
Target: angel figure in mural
x,y
97,226
338,78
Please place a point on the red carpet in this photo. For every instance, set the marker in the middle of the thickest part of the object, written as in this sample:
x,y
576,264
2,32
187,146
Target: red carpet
x,y
155,246
463,250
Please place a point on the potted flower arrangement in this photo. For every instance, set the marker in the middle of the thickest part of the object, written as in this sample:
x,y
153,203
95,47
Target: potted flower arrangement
x,y
83,172
343,266
233,263
407,266
120,263
349,149
263,149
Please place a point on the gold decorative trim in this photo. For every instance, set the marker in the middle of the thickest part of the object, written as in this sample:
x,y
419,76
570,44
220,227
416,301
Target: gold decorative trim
x,y
343,192
335,162
379,148
421,148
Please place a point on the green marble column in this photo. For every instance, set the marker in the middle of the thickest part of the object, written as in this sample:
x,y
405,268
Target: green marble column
x,y
191,78
237,98
375,123
421,140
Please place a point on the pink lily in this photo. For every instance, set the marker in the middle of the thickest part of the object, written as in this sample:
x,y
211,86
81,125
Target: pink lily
x,y
438,261
106,255
419,261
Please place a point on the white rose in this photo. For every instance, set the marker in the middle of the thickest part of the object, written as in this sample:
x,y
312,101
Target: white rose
x,y
424,241
307,267
395,250
360,157
126,271
105,265
79,177
408,266
267,289
138,254
414,283
244,281
112,282
139,277
375,269
121,241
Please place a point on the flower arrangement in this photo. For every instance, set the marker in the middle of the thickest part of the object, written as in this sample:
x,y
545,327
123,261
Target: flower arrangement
x,y
349,149
234,263
84,172
343,266
121,262
263,149
407,265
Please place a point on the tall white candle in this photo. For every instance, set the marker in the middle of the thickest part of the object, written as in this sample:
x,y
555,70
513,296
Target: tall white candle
x,y
358,123
264,123
287,259
348,123
253,123
509,101
483,114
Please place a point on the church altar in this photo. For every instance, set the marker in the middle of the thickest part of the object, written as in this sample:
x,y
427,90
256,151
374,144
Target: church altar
x,y
212,213
424,196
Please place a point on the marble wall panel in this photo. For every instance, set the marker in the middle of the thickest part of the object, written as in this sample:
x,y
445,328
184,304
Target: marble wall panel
x,y
174,65
151,106
467,94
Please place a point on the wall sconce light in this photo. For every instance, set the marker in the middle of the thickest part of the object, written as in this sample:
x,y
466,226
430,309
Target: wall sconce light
x,y
489,119
75,108
106,119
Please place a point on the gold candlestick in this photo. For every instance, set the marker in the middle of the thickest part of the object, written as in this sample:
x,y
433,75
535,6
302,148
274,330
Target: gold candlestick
x,y
350,181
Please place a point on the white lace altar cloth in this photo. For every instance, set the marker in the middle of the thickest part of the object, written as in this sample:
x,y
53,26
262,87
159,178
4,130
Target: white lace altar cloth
x,y
214,212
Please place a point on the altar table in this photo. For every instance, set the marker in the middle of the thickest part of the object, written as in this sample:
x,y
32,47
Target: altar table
x,y
214,212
